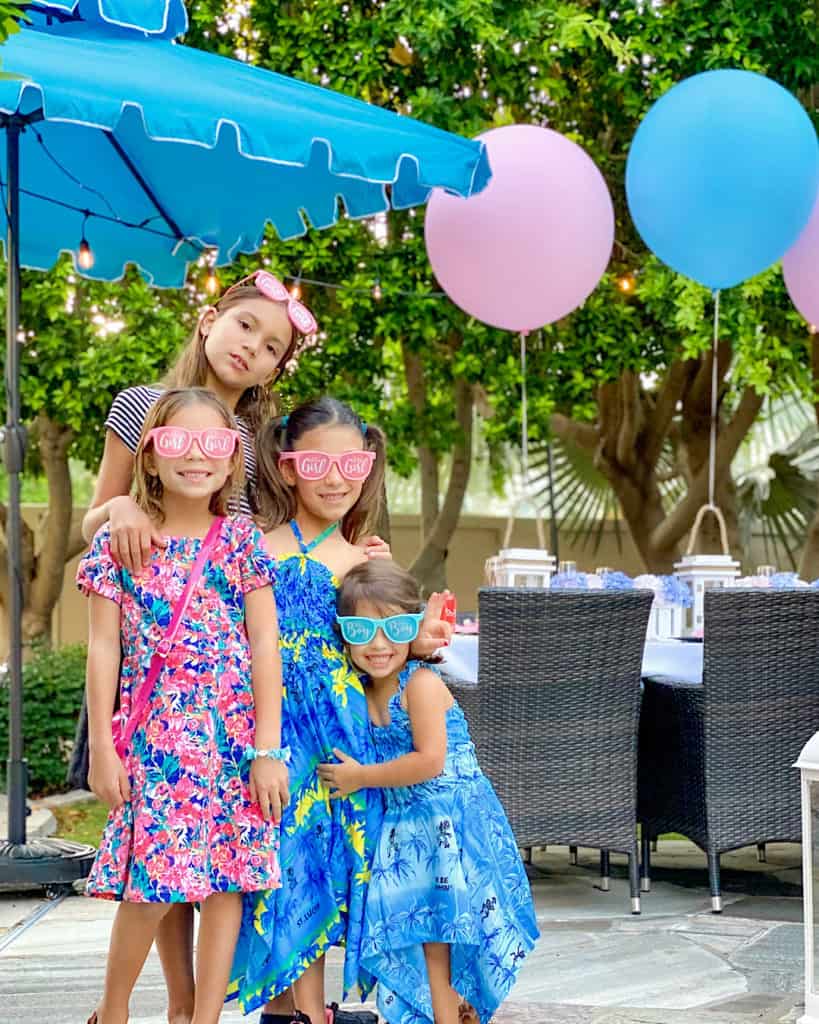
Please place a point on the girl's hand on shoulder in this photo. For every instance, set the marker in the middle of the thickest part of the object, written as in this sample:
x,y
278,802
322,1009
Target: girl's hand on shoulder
x,y
132,534
108,778
270,787
434,631
344,778
375,547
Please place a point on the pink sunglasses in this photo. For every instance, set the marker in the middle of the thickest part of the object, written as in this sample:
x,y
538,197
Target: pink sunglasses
x,y
272,288
356,465
176,442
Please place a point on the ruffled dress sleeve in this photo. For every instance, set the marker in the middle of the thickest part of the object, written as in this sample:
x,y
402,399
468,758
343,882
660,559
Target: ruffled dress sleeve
x,y
98,572
257,568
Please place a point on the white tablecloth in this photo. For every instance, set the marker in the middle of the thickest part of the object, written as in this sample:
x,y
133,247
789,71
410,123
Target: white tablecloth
x,y
676,658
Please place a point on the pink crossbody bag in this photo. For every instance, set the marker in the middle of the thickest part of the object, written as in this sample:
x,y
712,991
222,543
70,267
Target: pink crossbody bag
x,y
123,729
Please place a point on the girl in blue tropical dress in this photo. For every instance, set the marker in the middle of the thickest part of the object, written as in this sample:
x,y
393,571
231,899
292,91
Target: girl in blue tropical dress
x,y
196,793
449,911
320,474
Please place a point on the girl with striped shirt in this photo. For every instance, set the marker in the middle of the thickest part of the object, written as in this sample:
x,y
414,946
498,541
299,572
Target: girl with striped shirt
x,y
238,350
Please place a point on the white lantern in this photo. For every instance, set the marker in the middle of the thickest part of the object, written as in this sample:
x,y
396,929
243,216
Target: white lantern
x,y
701,573
520,567
808,764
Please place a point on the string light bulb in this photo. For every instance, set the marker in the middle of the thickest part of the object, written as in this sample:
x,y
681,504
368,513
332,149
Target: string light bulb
x,y
295,288
627,283
211,282
377,293
85,256
813,329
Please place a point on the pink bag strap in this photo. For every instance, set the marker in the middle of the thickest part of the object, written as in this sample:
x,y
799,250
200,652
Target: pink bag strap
x,y
165,645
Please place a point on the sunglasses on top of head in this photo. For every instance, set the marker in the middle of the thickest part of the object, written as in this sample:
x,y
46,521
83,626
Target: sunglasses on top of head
x,y
272,288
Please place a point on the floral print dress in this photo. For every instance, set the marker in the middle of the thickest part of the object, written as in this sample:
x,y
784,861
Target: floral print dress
x,y
324,854
190,828
446,868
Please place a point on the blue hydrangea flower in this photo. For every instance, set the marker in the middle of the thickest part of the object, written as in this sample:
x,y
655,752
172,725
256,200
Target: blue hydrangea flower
x,y
676,591
570,581
617,581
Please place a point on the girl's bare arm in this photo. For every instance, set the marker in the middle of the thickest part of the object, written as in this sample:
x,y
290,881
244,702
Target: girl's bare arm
x,y
132,533
427,703
107,775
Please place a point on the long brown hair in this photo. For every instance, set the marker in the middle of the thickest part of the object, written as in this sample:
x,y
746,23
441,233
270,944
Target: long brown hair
x,y
257,404
275,500
148,487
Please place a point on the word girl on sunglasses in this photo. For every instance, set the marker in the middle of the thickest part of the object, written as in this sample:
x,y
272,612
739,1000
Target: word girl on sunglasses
x,y
314,465
271,287
176,442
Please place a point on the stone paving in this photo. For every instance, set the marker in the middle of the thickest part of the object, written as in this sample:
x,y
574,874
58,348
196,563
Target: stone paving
x,y
595,963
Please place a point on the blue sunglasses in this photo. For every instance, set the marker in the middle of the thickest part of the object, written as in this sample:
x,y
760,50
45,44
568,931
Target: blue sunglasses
x,y
398,629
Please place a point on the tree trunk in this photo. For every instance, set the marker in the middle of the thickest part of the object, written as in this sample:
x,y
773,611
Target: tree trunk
x,y
627,443
44,563
429,567
382,526
427,458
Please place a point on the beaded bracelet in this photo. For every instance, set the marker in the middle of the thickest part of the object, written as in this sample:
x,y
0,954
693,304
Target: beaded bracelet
x,y
274,753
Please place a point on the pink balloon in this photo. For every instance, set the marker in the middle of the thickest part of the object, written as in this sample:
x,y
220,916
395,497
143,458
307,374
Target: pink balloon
x,y
800,265
533,245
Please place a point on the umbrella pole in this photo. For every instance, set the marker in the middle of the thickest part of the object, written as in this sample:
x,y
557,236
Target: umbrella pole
x,y
53,863
13,455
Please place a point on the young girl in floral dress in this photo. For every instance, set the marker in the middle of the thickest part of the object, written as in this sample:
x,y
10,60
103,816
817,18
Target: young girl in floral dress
x,y
449,912
197,793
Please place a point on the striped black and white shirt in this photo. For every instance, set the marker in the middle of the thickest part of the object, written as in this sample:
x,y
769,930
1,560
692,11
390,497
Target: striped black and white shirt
x,y
127,416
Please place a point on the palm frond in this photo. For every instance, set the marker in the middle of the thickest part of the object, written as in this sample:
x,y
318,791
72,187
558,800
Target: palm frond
x,y
778,498
584,501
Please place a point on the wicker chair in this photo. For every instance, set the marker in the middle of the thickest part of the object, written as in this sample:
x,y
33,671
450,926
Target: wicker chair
x,y
716,760
555,715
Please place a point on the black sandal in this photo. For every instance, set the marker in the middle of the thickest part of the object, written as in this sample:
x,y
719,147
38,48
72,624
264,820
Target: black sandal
x,y
337,1015
296,1017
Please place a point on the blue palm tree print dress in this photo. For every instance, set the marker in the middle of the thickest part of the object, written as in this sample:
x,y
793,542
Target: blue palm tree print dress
x,y
323,851
446,868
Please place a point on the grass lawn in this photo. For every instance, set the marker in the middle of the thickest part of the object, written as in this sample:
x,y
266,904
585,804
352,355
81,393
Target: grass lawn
x,y
83,823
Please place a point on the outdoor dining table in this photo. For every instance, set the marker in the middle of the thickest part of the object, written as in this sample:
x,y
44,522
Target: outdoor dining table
x,y
677,659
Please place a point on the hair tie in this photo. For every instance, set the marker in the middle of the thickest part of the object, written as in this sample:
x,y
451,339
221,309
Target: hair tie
x,y
285,421
364,427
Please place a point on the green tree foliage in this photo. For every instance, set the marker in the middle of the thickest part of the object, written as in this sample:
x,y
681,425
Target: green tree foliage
x,y
412,360
10,15
83,342
589,70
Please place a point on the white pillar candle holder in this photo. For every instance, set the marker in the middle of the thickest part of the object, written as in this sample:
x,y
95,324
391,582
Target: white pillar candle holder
x,y
520,567
701,573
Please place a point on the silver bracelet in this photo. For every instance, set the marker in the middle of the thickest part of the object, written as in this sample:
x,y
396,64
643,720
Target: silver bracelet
x,y
274,753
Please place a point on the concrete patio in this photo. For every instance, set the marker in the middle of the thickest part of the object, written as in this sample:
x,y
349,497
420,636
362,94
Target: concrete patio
x,y
595,963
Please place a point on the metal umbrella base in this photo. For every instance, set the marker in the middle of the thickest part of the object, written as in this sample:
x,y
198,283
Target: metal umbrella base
x,y
54,863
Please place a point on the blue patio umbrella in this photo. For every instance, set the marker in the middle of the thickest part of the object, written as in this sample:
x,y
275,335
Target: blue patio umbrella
x,y
151,152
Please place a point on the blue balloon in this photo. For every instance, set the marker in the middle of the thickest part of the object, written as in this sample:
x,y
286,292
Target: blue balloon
x,y
722,176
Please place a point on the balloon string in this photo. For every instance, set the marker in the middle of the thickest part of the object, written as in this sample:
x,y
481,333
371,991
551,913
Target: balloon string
x,y
712,442
524,418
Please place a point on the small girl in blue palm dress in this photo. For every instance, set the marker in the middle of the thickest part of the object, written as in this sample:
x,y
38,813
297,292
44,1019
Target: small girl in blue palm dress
x,y
449,912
